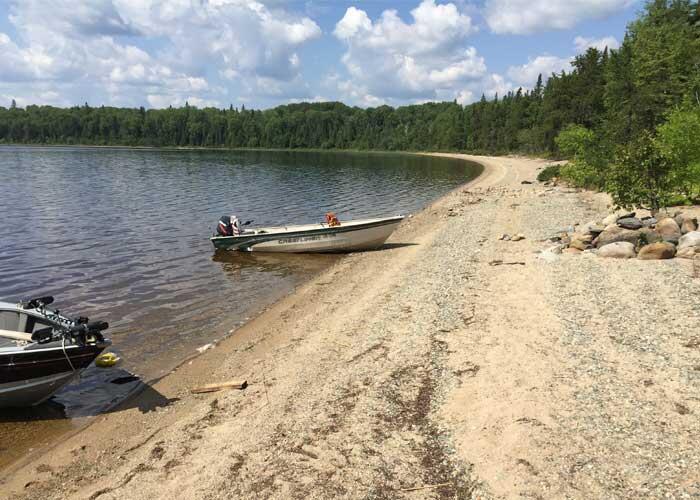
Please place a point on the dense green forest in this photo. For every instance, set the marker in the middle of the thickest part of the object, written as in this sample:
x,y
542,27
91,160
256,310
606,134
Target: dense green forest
x,y
646,94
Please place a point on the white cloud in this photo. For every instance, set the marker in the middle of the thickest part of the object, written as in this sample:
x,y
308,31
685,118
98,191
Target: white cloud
x,y
238,36
496,85
354,21
391,59
583,44
101,44
526,75
528,16
465,97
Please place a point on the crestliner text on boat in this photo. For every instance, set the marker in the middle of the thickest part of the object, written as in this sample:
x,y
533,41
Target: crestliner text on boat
x,y
329,236
42,350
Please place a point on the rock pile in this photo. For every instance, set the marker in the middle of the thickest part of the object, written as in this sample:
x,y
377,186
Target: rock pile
x,y
626,236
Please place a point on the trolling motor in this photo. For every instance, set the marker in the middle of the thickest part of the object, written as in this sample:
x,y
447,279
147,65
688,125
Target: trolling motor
x,y
88,333
38,302
79,329
82,332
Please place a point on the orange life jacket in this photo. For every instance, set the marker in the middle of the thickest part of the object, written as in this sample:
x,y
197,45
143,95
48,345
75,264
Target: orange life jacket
x,y
332,220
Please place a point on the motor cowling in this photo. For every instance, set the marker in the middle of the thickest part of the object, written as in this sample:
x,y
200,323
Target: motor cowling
x,y
229,225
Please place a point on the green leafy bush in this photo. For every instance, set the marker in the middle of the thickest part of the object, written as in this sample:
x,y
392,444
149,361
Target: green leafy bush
x,y
549,172
587,154
679,141
641,175
574,141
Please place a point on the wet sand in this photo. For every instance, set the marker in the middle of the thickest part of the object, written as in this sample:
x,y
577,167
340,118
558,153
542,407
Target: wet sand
x,y
426,371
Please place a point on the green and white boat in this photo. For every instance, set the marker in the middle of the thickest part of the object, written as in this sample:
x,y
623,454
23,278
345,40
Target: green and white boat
x,y
348,236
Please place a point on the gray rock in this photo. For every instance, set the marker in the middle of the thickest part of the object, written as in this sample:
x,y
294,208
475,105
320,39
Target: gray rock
x,y
591,227
614,234
629,215
617,250
551,254
657,251
649,221
630,223
689,240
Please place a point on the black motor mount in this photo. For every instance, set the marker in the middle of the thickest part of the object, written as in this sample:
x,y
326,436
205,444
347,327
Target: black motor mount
x,y
38,302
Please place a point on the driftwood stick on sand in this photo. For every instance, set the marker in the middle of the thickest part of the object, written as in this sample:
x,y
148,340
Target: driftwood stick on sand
x,y
426,487
233,384
501,263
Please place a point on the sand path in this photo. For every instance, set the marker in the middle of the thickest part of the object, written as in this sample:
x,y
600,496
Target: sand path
x,y
425,371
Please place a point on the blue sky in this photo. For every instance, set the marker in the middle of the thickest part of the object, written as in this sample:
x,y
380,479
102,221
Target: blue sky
x,y
262,53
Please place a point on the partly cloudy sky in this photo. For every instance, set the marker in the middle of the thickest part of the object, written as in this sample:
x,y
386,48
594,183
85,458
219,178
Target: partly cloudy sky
x,y
261,53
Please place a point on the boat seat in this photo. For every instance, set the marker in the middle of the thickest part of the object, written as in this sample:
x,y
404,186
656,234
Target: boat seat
x,y
22,327
9,320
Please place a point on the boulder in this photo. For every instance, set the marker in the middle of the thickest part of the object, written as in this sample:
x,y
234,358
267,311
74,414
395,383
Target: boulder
x,y
610,219
625,215
571,251
592,227
583,237
551,254
613,234
579,245
648,235
518,237
689,240
630,223
688,253
617,250
657,251
689,225
668,229
649,221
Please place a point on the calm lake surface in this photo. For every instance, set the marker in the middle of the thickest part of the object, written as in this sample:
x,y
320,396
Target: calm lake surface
x,y
121,235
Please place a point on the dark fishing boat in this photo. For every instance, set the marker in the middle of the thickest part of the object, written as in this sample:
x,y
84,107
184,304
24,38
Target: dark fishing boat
x,y
42,350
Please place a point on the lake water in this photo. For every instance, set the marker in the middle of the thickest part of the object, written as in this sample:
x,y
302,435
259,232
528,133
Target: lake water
x,y
122,235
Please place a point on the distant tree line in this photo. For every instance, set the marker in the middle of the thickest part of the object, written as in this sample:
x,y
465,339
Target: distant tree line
x,y
610,100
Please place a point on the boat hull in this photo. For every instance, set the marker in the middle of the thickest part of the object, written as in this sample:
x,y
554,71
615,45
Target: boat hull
x,y
33,392
344,238
29,377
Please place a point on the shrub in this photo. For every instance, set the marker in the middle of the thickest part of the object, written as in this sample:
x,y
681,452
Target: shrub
x,y
574,141
641,175
549,173
679,141
588,155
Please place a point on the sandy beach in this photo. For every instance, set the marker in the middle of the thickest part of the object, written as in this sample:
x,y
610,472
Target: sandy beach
x,y
449,365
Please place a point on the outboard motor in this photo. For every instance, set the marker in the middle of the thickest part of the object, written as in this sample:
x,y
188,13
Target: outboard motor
x,y
229,225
